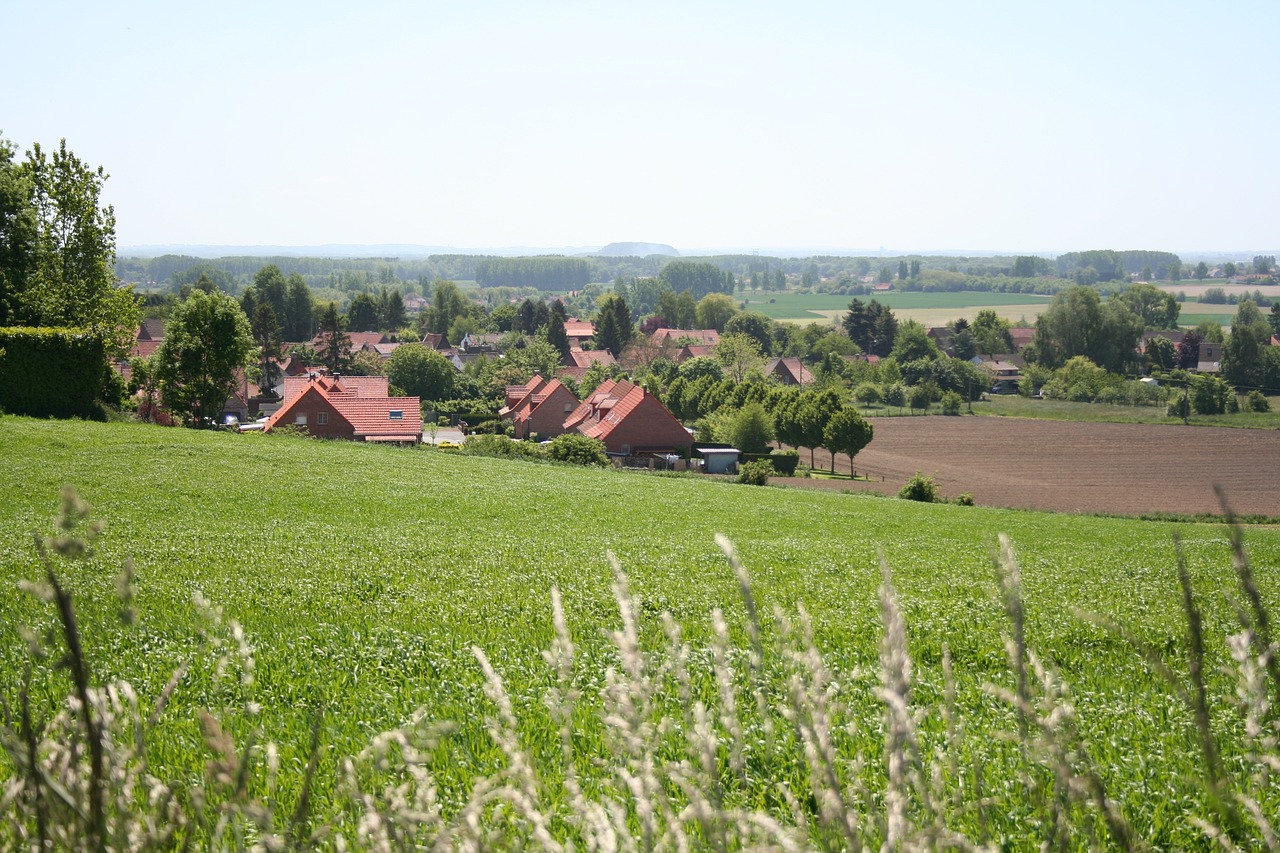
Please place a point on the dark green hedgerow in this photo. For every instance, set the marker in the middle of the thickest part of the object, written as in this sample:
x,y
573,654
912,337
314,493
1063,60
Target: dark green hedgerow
x,y
51,372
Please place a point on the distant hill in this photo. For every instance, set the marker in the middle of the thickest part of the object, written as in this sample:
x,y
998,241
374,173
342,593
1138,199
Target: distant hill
x,y
637,250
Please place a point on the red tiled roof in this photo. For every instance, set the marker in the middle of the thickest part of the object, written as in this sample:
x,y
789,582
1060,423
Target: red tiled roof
x,y
575,328
585,358
369,415
689,351
704,337
360,386
144,348
526,407
517,394
152,329
792,367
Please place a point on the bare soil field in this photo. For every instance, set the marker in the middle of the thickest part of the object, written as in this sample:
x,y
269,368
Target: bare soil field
x,y
1069,466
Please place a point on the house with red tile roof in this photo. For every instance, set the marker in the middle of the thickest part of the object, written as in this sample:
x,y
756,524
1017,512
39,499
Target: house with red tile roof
x,y
689,351
629,420
578,331
670,337
579,360
149,336
436,341
788,371
539,407
1022,337
356,408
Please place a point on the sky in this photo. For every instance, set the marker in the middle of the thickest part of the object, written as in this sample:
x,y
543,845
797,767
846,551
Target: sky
x,y
906,124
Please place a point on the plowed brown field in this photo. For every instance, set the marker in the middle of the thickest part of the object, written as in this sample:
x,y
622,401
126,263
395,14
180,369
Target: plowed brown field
x,y
1070,466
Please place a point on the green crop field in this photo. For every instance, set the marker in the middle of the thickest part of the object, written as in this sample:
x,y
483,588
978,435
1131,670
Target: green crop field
x,y
929,308
364,575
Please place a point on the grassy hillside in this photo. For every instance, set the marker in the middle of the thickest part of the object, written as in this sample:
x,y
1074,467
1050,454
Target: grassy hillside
x,y
363,575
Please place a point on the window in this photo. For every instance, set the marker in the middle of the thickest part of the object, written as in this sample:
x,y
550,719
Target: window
x,y
300,420
396,415
568,407
322,418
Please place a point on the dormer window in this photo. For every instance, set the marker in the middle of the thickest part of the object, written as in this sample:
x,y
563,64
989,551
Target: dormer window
x,y
396,415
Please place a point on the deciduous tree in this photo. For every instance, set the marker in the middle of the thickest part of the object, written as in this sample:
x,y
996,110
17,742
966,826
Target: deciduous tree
x,y
207,339
1153,306
1077,322
740,355
714,310
846,432
420,371
750,429
57,247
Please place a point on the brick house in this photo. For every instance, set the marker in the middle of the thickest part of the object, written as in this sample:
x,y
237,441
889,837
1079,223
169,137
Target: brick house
x,y
789,371
539,407
579,331
664,338
629,420
579,360
356,408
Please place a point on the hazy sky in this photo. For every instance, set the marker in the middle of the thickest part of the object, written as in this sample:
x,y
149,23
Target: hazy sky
x,y
1019,126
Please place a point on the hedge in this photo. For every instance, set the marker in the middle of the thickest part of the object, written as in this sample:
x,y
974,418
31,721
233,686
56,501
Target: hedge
x,y
51,372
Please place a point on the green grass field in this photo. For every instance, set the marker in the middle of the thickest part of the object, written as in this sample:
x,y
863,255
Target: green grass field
x,y
363,575
1014,406
929,308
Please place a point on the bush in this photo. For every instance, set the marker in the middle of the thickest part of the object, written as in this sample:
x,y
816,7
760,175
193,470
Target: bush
x,y
868,393
964,499
502,447
919,488
951,403
51,372
919,396
577,450
1257,402
785,462
1178,407
895,395
756,473
1210,395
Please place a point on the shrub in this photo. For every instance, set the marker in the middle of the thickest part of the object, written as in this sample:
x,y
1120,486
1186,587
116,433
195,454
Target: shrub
x,y
1257,402
502,447
1178,407
785,462
951,403
895,395
868,393
919,488
964,499
756,473
577,450
919,396
51,372
750,429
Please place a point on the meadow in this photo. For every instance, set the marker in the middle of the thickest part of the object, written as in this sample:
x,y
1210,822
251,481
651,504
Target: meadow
x,y
931,309
363,576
